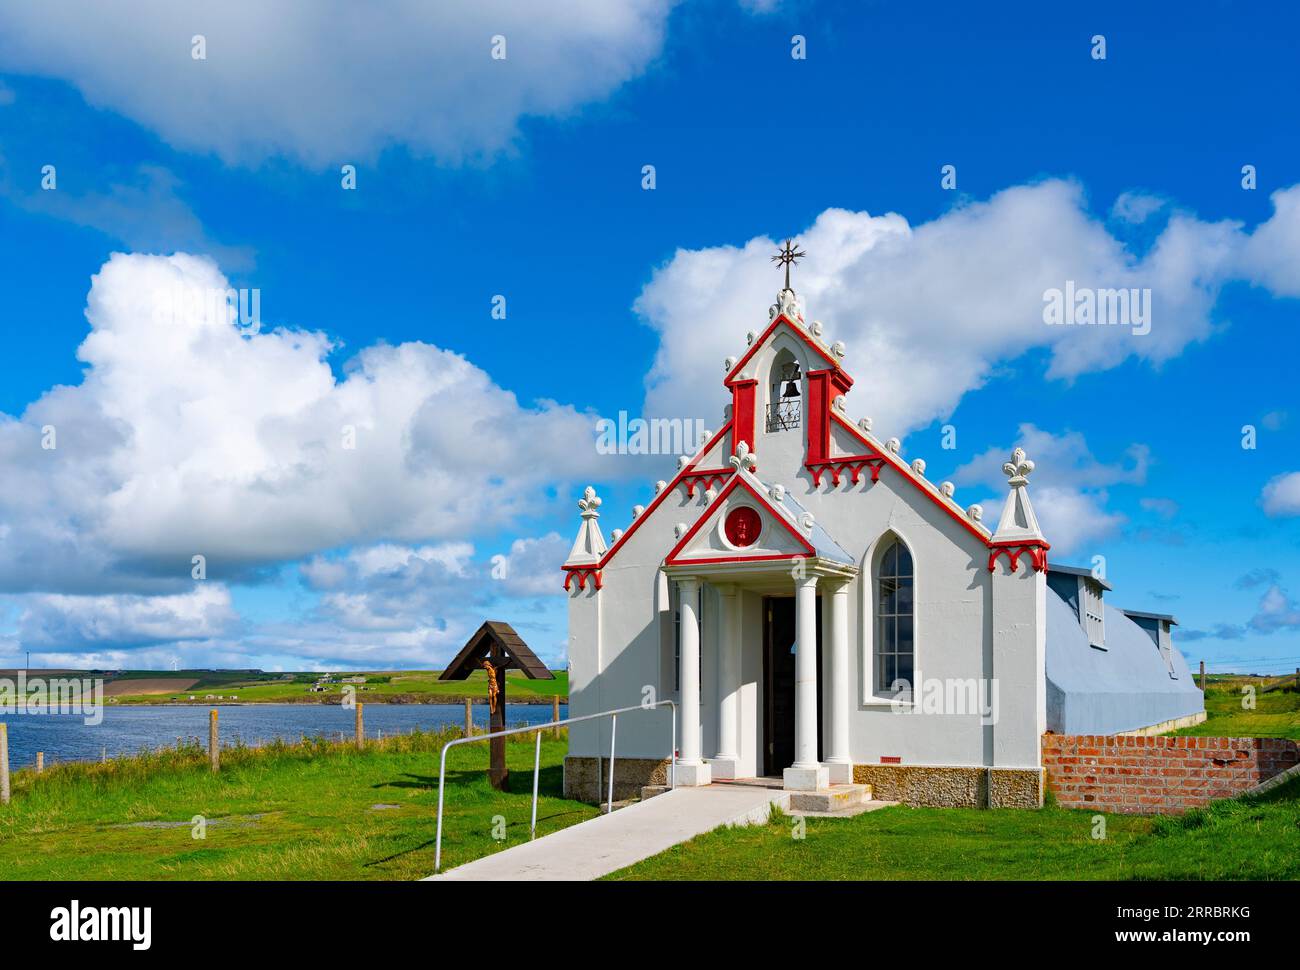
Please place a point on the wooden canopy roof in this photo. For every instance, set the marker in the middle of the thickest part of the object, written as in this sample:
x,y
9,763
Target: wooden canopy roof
x,y
498,642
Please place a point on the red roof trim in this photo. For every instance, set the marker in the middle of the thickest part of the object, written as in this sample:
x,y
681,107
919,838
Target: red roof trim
x,y
895,463
762,338
699,524
654,503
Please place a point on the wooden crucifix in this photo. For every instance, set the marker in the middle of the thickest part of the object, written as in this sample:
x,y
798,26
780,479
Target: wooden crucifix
x,y
496,648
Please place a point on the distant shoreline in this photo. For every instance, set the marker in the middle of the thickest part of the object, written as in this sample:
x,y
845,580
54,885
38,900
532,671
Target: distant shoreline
x,y
336,700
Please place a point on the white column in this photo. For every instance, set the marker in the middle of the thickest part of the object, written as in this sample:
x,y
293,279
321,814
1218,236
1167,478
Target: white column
x,y
838,761
691,769
807,773
728,759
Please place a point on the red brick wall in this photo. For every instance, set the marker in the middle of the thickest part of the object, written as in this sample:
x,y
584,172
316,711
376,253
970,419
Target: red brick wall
x,y
1158,775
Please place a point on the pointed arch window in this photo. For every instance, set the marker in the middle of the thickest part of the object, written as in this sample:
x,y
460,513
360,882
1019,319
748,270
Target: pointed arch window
x,y
895,628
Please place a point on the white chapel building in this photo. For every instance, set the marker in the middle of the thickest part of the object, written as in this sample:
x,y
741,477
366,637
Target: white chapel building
x,y
822,613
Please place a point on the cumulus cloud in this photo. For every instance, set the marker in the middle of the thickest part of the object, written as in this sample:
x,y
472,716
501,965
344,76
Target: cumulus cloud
x,y
304,79
969,285
1069,486
1281,496
189,436
105,622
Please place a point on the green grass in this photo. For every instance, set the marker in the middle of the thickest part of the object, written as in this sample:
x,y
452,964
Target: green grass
x,y
300,811
1235,839
381,686
1276,714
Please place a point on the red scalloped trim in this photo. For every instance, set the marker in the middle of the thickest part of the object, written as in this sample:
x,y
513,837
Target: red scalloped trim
x,y
1014,550
583,573
710,475
854,463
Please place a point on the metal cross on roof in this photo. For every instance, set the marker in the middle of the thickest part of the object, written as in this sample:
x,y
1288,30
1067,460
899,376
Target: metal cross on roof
x,y
787,255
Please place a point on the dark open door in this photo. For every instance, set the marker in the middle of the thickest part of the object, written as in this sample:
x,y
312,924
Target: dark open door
x,y
778,683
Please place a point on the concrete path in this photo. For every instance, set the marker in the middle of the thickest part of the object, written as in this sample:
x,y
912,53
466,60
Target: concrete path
x,y
602,845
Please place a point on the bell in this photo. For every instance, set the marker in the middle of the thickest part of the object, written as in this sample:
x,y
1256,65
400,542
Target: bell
x,y
791,389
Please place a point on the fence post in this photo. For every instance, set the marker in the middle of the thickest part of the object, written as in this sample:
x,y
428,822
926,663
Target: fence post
x,y
103,754
214,752
4,763
555,715
469,718
361,730
40,762
1202,675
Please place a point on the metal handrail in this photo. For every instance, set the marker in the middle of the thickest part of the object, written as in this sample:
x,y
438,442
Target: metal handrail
x,y
537,759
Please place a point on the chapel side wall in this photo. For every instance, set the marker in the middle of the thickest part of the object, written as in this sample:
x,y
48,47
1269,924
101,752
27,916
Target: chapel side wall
x,y
953,627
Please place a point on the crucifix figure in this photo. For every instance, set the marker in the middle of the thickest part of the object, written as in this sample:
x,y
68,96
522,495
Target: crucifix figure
x,y
788,254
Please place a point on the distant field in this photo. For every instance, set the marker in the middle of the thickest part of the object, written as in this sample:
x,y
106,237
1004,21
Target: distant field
x,y
1228,714
382,686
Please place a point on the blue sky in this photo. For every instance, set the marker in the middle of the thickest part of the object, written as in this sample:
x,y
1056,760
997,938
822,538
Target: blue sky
x,y
523,177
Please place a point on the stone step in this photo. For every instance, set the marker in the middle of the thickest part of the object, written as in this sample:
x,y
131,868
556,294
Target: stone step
x,y
834,799
650,791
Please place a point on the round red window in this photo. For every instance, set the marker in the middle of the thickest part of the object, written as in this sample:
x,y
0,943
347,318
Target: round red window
x,y
743,526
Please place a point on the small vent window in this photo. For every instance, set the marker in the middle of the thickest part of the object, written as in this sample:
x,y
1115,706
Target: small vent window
x,y
1092,614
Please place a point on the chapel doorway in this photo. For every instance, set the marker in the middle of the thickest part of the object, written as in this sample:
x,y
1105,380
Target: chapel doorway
x,y
778,683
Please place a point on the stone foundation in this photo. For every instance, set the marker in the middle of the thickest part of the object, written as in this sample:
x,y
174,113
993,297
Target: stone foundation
x,y
586,779
953,786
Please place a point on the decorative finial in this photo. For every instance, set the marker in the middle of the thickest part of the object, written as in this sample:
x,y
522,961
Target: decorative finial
x,y
976,512
788,254
749,338
894,445
660,486
589,503
616,534
777,492
1017,469
946,489
864,424
679,529
918,466
744,458
838,349
637,510
807,521
682,461
729,363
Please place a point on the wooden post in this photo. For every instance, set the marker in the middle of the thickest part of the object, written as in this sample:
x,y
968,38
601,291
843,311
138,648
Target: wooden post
x,y
555,714
1202,675
40,762
469,718
361,729
103,754
498,773
214,752
4,763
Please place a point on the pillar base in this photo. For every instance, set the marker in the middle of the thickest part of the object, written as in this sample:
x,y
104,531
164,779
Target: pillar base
x,y
692,775
724,767
841,772
814,778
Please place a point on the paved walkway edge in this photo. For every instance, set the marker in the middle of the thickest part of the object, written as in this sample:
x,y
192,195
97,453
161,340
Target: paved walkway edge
x,y
605,844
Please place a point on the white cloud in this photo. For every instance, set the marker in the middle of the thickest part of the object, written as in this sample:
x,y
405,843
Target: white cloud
x,y
1281,496
1068,486
532,567
97,622
931,312
1136,207
187,437
330,81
